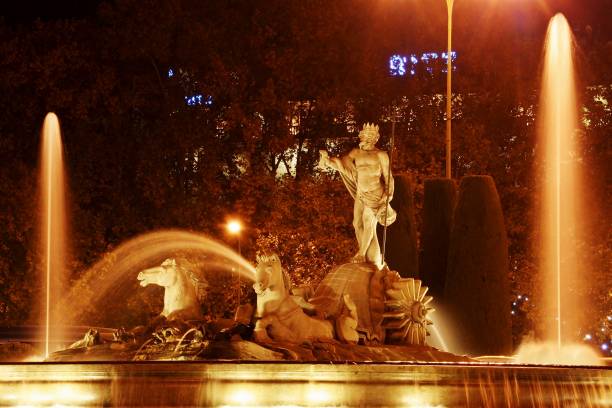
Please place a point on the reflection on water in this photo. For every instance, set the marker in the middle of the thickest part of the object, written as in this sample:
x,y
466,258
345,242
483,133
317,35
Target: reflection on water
x,y
303,385
50,395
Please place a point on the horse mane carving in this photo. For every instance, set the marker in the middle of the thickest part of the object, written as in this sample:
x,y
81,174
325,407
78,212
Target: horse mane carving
x,y
273,260
180,295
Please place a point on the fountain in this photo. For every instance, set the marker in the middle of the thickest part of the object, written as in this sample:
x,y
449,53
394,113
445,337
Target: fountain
x,y
560,212
362,301
53,224
358,339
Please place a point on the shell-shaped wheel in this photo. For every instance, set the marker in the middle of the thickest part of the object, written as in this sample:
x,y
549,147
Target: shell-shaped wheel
x,y
406,312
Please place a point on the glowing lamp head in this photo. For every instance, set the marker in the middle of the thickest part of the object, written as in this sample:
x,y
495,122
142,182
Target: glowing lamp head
x,y
234,227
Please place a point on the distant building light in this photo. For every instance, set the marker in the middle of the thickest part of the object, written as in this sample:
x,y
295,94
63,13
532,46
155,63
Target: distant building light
x,y
198,99
453,56
429,55
604,346
399,64
588,337
170,73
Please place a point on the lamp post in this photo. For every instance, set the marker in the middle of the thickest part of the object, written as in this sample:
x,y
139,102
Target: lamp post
x,y
234,227
449,9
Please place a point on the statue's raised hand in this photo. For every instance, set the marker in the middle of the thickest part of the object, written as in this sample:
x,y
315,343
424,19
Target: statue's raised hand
x,y
323,159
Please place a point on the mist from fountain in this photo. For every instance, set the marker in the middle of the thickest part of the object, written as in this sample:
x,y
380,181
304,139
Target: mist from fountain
x,y
53,224
560,215
442,331
113,276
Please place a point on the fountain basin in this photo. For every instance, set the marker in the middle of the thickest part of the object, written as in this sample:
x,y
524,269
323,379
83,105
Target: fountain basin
x,y
302,384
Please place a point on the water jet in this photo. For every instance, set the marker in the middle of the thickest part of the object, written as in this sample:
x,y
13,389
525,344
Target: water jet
x,y
561,214
53,223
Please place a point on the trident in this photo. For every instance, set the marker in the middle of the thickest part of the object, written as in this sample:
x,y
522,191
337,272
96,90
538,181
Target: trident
x,y
387,187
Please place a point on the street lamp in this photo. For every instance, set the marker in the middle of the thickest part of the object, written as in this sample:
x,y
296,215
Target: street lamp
x,y
449,70
234,227
449,9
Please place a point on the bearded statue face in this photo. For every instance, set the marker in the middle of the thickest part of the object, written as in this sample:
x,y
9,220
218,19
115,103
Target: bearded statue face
x,y
368,137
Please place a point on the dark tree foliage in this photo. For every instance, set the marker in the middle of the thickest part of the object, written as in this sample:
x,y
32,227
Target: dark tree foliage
x,y
477,276
439,198
401,250
273,82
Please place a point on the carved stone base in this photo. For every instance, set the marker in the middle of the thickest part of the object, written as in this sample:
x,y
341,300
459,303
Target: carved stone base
x,y
243,350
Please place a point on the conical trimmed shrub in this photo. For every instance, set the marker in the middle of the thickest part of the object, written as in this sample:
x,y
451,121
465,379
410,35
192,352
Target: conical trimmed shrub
x,y
401,253
438,207
477,290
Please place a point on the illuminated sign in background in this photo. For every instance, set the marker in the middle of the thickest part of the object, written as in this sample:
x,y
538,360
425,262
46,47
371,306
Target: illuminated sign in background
x,y
402,65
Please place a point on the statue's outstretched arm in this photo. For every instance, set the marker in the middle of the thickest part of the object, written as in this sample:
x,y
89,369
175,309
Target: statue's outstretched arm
x,y
326,162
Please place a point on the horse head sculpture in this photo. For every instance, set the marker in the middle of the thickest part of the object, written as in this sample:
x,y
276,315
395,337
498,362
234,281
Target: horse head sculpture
x,y
280,317
269,274
163,275
180,297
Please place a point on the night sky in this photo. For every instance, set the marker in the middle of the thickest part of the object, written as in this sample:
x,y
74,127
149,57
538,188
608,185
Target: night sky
x,y
28,10
596,13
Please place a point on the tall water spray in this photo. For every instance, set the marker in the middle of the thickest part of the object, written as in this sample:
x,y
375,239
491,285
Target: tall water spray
x,y
53,222
560,215
560,194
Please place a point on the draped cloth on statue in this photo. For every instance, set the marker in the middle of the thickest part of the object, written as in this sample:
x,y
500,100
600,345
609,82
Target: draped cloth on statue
x,y
372,199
